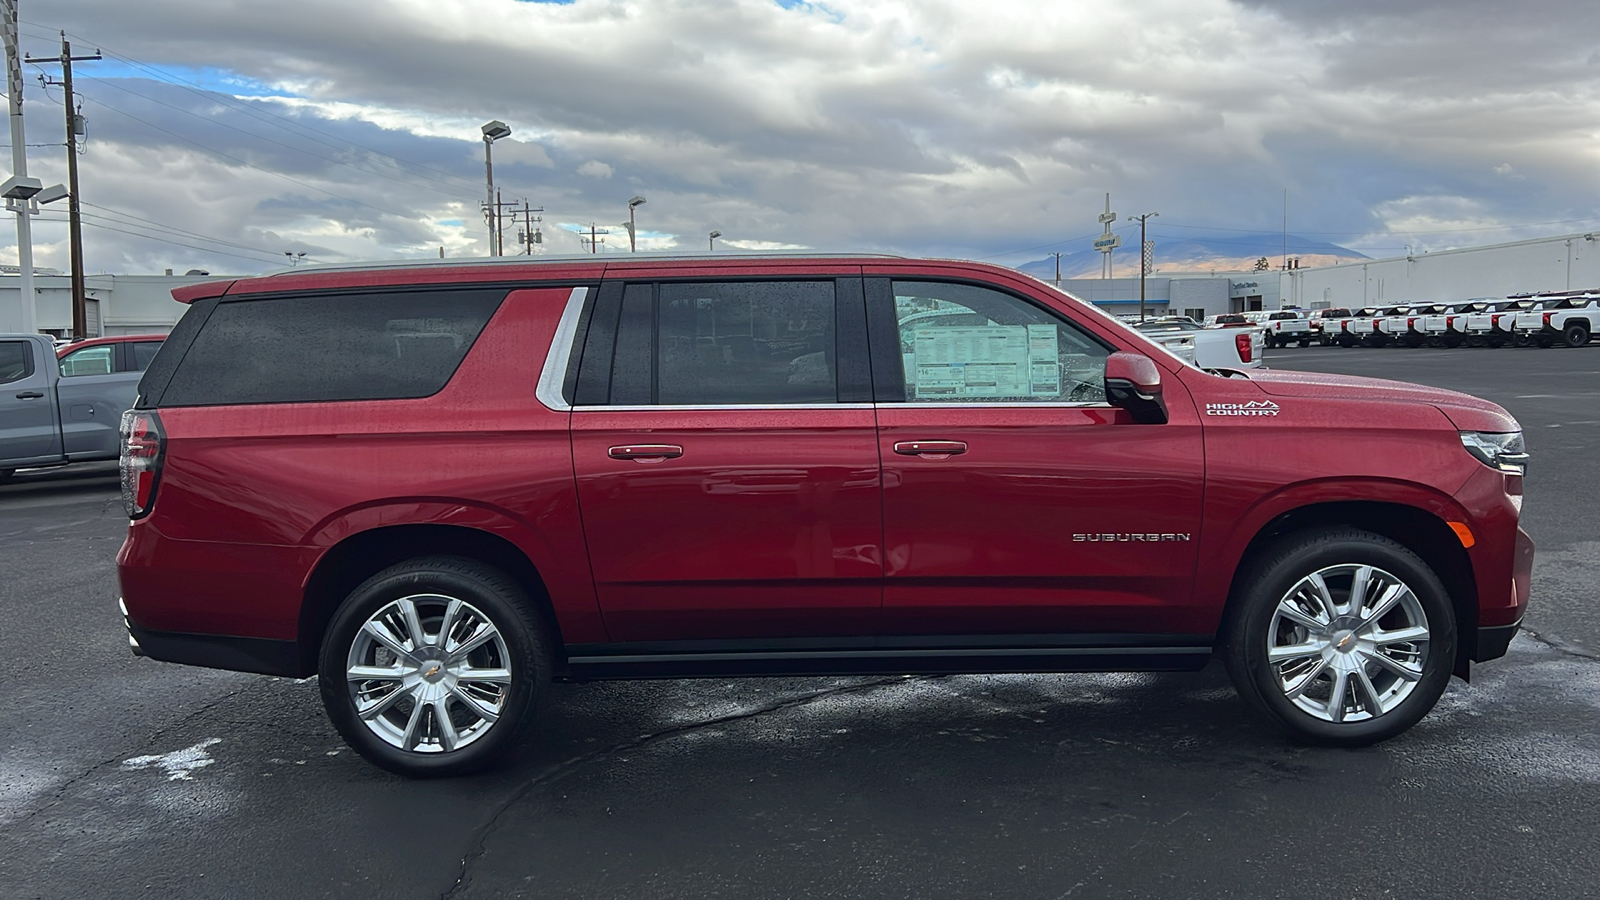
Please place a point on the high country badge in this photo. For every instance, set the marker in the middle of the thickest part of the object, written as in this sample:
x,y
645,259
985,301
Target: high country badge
x,y
1253,408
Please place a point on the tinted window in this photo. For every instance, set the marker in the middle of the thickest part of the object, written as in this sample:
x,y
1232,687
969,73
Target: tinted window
x,y
143,352
965,343
88,361
16,362
349,347
757,342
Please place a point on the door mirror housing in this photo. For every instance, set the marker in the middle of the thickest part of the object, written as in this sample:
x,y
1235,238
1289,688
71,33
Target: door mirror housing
x,y
1133,383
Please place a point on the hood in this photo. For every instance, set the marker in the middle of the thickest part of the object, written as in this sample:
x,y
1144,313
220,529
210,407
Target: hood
x,y
1465,411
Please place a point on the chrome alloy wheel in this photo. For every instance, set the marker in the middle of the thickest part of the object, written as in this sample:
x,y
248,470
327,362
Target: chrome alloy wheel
x,y
428,673
1348,643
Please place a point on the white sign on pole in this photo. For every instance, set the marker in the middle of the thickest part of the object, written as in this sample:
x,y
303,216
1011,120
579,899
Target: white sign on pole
x,y
1107,217
1108,243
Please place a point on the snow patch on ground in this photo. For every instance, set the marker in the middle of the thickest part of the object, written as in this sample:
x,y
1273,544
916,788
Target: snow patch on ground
x,y
179,764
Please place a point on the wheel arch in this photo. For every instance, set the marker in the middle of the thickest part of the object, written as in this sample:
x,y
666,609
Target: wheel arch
x,y
1418,530
361,555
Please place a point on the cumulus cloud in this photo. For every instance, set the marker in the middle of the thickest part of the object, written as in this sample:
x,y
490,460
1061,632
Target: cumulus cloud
x,y
920,126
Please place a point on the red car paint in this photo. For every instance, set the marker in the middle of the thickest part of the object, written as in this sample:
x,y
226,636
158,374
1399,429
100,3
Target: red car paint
x,y
775,523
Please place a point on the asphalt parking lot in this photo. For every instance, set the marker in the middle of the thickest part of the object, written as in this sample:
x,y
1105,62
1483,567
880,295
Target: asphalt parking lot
x,y
122,777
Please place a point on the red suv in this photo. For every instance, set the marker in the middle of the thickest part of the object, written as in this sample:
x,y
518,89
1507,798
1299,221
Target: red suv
x,y
441,486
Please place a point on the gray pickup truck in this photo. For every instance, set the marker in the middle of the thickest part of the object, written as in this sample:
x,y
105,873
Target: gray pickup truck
x,y
68,410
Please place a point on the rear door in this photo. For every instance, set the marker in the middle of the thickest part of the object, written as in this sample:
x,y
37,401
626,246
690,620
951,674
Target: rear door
x,y
1018,503
28,429
727,467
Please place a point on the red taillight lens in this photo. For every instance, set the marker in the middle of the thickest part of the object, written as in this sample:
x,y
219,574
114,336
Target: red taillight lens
x,y
142,446
1242,341
1411,323
1494,321
1547,319
1344,326
1449,321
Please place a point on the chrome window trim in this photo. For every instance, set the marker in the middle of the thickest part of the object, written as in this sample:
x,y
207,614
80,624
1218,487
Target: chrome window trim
x,y
1015,404
780,406
556,362
734,406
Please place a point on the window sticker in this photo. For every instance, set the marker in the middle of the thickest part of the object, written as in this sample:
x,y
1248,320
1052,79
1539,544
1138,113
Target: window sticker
x,y
991,361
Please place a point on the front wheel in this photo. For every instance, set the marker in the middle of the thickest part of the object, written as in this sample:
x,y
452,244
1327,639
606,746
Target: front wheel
x,y
433,667
1341,637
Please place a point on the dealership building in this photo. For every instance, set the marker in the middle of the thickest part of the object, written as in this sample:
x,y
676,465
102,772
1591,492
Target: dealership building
x,y
1561,263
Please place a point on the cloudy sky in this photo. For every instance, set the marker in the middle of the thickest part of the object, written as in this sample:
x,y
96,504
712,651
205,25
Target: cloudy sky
x,y
223,133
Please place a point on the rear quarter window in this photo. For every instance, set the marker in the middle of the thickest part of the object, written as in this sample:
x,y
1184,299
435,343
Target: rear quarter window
x,y
381,346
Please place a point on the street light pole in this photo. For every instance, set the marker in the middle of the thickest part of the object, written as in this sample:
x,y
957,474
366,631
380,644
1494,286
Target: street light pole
x,y
492,131
19,169
711,243
633,204
1143,268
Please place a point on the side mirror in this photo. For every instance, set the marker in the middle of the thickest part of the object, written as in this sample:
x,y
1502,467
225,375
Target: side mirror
x,y
1133,383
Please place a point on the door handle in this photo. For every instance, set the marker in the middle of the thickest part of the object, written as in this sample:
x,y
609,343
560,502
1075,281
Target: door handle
x,y
930,449
30,395
646,453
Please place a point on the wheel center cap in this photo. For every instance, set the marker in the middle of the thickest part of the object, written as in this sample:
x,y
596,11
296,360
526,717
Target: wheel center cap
x,y
1344,641
431,667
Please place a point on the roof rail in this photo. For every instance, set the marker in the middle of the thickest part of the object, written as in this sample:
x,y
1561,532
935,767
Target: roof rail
x,y
569,259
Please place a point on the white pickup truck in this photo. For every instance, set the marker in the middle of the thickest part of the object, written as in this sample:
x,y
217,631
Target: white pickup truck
x,y
1213,348
49,418
1567,318
1289,326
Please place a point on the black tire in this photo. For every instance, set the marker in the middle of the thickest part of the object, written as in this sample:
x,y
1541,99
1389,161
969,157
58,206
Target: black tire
x,y
1545,340
526,653
1347,341
1495,342
1575,334
1271,342
1305,342
1268,581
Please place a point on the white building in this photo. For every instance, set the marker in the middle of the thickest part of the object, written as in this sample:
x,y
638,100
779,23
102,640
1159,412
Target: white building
x,y
1561,263
114,304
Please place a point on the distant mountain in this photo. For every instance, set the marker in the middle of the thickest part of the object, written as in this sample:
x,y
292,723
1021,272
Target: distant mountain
x,y
1210,253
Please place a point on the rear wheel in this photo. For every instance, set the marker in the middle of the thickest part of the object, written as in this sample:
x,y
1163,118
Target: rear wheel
x,y
1305,342
1545,340
1341,637
433,667
1575,334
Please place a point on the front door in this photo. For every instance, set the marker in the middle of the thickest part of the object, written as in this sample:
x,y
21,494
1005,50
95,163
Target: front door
x,y
1016,500
27,411
726,462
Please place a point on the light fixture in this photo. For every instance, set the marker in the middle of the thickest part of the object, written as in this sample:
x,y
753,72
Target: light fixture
x,y
633,204
712,243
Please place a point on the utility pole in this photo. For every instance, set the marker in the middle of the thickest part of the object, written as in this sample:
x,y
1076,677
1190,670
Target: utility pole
x,y
80,313
1144,257
1057,255
594,240
529,236
21,204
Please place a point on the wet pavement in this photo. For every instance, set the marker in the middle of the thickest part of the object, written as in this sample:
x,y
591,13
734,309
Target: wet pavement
x,y
121,777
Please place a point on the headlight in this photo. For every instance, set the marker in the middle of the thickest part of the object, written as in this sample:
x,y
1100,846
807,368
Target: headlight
x,y
1503,451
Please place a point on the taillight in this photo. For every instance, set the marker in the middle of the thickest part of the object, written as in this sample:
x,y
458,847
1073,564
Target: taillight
x,y
142,446
1345,326
1494,321
1547,319
1449,321
1411,323
1242,341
